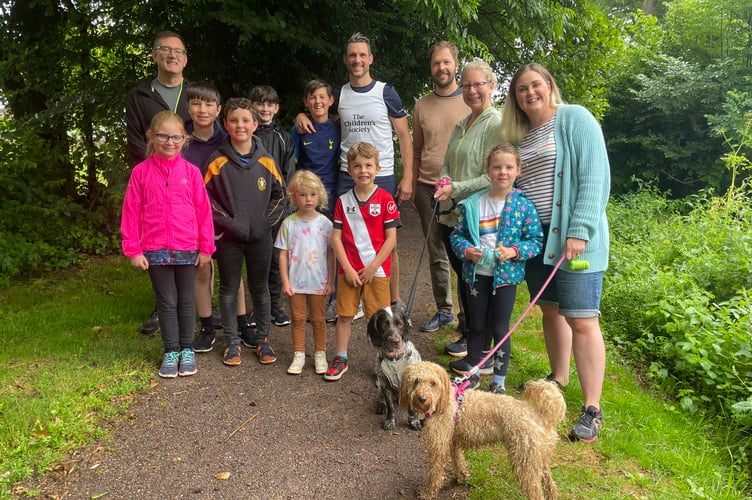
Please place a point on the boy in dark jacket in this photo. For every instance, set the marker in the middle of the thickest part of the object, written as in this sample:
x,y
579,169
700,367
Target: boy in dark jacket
x,y
246,191
279,144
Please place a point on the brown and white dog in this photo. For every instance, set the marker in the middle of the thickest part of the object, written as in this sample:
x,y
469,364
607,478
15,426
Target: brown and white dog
x,y
388,331
527,428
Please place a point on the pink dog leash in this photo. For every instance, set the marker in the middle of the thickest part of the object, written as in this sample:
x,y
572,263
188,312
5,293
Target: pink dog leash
x,y
461,383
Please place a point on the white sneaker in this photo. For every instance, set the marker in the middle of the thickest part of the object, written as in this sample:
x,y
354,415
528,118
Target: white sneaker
x,y
298,362
360,312
320,365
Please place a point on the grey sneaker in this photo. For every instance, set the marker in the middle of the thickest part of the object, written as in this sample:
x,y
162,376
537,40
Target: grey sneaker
x,y
588,426
440,318
331,312
170,362
187,363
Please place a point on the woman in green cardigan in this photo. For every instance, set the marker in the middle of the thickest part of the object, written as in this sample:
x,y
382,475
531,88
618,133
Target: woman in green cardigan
x,y
566,174
463,171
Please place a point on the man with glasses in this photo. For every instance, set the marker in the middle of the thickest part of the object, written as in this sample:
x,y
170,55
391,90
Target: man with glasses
x,y
165,92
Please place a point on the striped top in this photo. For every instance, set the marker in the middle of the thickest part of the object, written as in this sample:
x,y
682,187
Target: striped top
x,y
538,155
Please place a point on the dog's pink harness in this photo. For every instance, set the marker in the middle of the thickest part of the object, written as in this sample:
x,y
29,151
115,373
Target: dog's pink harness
x,y
459,397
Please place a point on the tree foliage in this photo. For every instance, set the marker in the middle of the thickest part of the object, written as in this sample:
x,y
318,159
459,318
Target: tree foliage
x,y
65,68
575,40
677,71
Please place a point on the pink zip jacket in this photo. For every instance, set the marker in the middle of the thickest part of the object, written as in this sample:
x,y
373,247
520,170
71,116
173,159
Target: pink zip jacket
x,y
166,207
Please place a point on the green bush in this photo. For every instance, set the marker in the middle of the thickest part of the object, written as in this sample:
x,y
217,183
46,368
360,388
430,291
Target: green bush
x,y
676,298
40,228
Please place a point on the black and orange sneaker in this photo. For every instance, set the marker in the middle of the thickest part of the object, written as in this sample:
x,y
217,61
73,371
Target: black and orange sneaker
x,y
265,352
232,355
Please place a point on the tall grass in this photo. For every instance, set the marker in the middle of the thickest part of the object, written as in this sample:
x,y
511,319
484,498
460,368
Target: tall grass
x,y
648,447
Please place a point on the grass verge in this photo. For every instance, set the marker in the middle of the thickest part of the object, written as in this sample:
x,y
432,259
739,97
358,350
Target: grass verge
x,y
647,449
69,361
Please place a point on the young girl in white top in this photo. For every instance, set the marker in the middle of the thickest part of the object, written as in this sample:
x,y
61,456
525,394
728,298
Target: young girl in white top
x,y
306,266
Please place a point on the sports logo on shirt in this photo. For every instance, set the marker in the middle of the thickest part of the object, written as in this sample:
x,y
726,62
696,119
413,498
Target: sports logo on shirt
x,y
374,209
261,184
351,210
391,208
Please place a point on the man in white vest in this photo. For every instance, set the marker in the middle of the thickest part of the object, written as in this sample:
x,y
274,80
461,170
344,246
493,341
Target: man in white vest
x,y
368,110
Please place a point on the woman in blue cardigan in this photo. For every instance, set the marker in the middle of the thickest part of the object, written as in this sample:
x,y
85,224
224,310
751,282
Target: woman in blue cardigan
x,y
566,174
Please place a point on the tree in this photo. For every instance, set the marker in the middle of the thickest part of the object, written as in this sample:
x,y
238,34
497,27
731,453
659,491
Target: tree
x,y
66,67
674,75
575,40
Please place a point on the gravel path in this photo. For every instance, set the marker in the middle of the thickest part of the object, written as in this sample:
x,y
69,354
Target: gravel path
x,y
254,431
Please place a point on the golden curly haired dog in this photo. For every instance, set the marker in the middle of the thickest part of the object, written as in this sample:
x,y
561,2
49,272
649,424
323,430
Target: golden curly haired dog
x,y
527,428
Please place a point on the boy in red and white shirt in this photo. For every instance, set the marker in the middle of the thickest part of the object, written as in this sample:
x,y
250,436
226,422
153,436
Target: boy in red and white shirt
x,y
365,233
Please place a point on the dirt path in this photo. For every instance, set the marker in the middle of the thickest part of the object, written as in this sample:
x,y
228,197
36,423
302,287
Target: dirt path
x,y
307,438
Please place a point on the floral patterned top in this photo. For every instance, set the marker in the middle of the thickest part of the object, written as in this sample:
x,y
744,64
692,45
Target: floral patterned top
x,y
307,243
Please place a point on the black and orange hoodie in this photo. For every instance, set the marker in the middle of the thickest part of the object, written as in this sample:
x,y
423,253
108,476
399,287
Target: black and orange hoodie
x,y
246,192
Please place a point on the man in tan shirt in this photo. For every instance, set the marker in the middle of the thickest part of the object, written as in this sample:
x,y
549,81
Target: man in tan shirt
x,y
434,117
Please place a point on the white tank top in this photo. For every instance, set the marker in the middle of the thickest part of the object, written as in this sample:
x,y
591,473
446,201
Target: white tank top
x,y
364,117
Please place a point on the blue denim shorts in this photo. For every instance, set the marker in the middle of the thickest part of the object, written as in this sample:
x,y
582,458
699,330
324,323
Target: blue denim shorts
x,y
577,294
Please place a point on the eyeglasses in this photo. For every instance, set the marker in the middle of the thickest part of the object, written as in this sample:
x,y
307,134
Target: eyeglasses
x,y
164,138
164,49
475,86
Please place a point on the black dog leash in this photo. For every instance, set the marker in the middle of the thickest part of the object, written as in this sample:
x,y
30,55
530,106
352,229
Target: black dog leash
x,y
411,297
434,214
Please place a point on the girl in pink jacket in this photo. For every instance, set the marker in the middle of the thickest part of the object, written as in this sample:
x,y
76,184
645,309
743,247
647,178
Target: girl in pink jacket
x,y
167,230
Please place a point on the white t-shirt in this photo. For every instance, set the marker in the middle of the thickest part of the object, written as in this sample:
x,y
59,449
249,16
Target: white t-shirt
x,y
488,218
307,243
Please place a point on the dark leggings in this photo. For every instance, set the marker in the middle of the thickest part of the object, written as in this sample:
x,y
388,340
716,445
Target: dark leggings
x,y
173,290
489,311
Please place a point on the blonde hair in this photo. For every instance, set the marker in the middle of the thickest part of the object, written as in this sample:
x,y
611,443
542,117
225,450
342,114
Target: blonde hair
x,y
514,122
504,147
363,149
305,179
156,122
479,65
